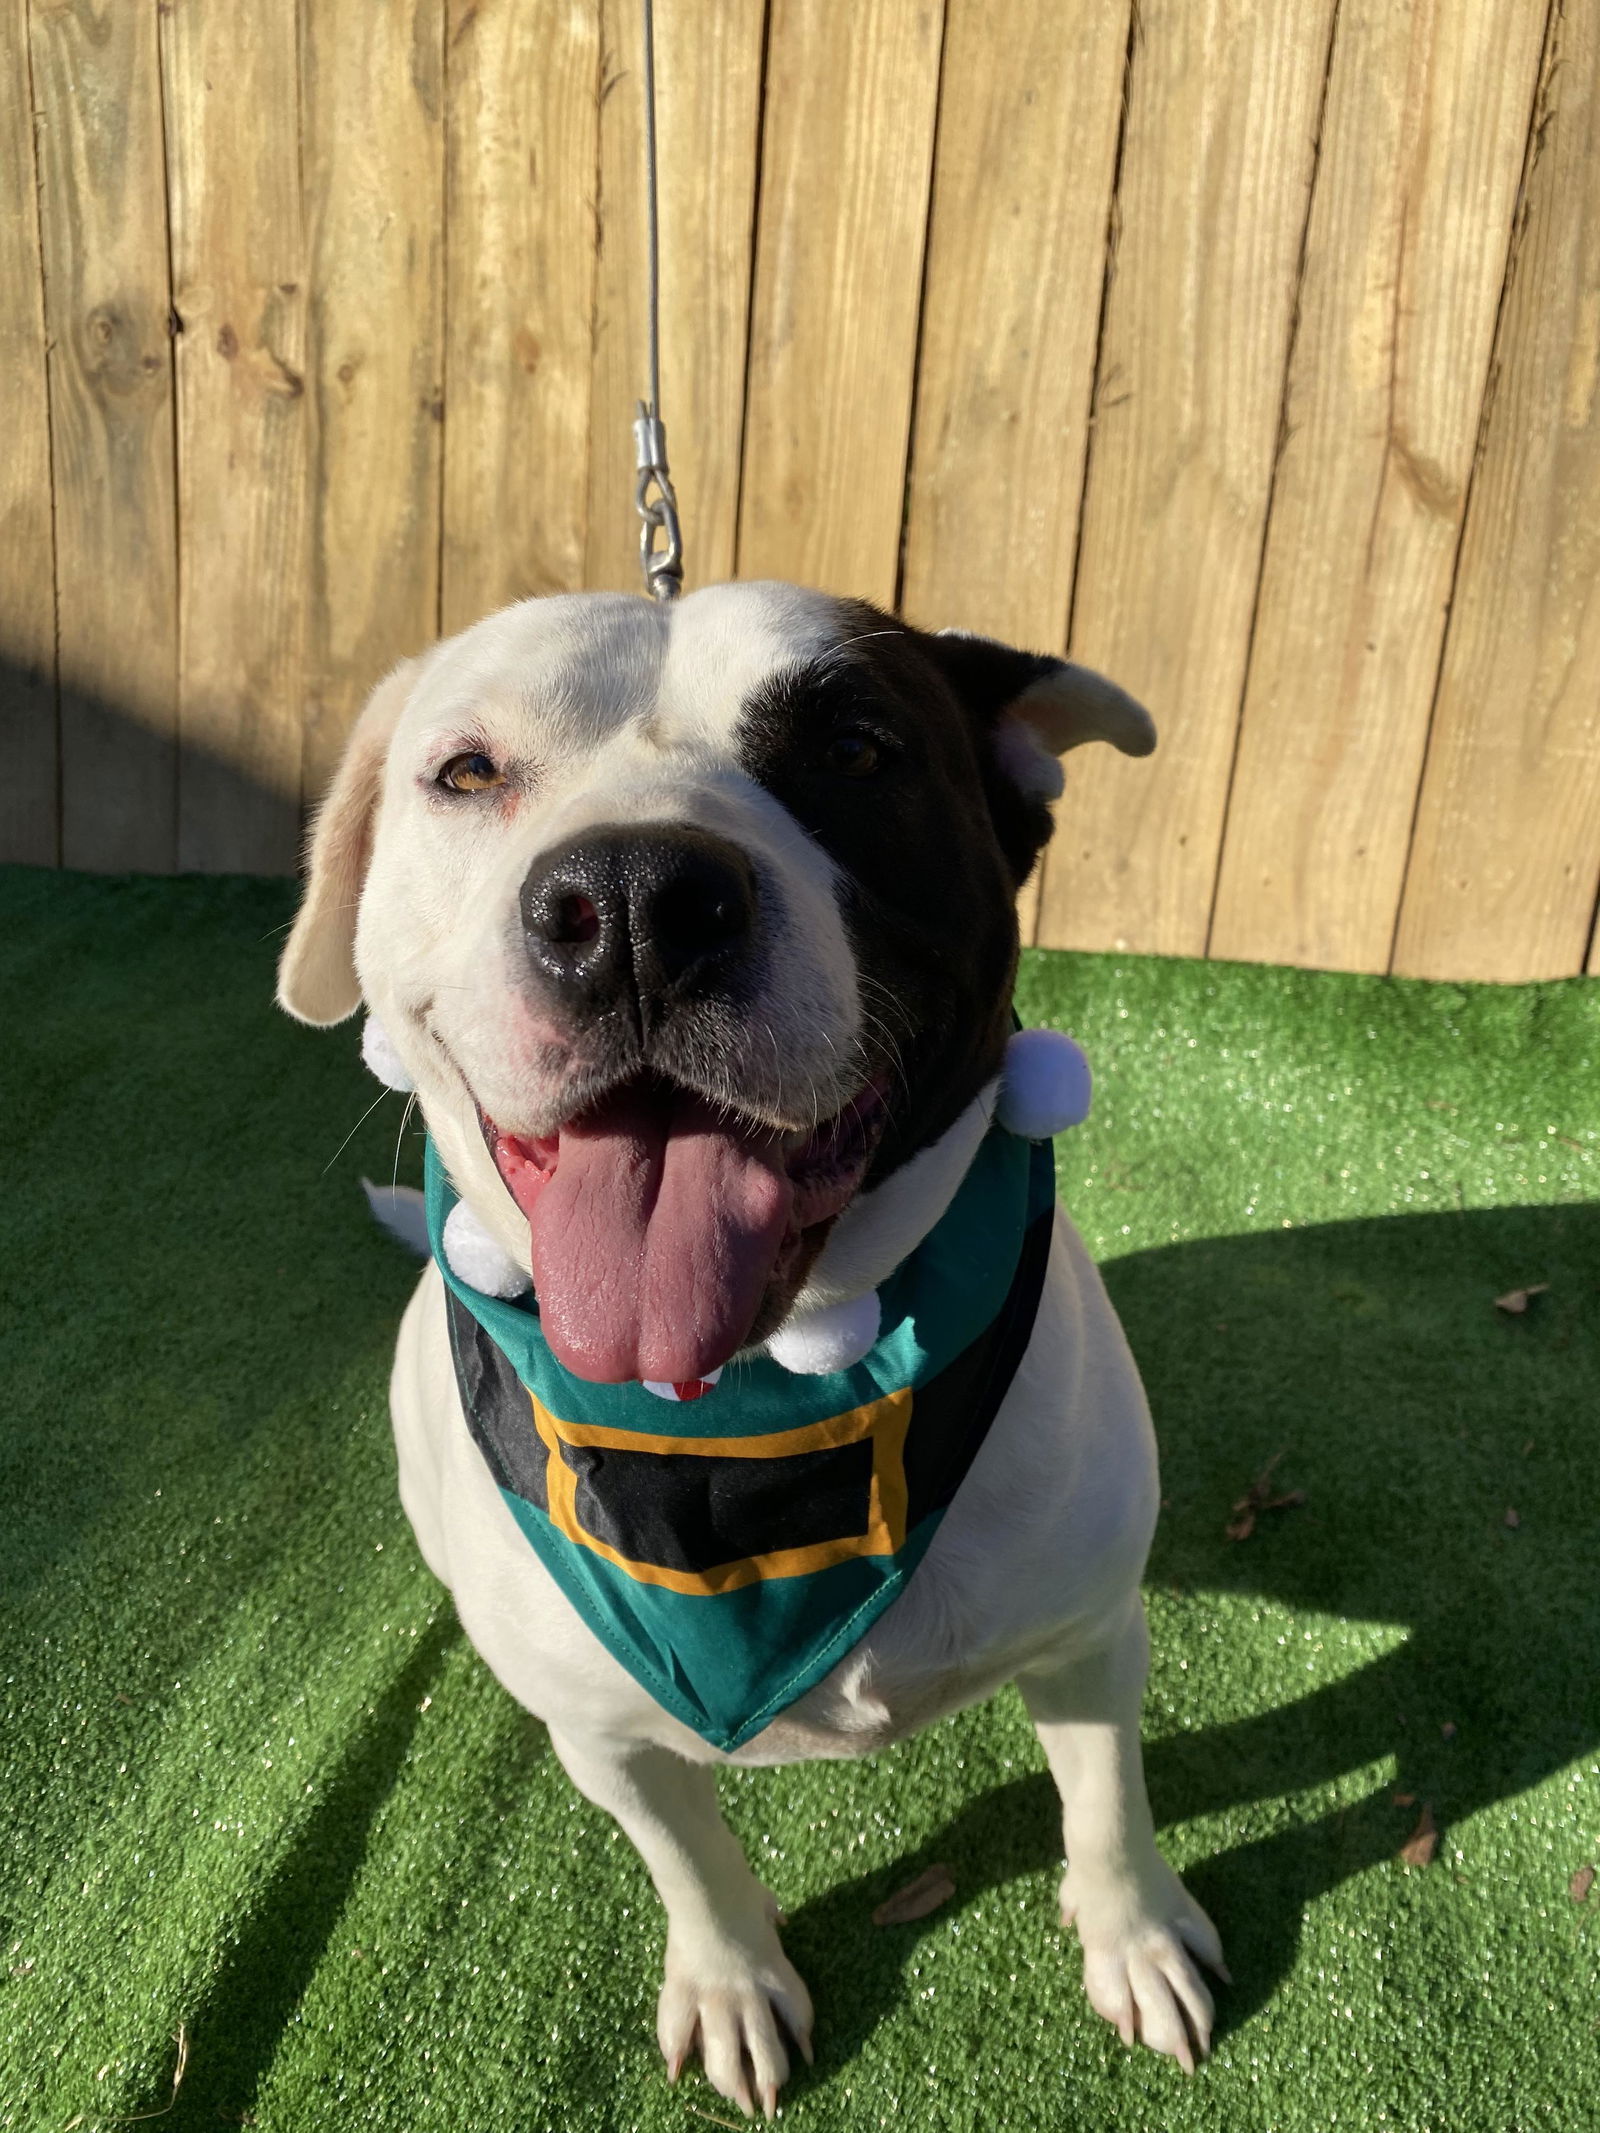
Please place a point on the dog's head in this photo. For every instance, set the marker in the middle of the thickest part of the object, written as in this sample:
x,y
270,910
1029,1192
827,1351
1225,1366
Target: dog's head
x,y
690,923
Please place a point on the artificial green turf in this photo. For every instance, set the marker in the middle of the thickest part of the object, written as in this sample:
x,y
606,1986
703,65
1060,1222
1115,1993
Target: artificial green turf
x,y
256,1784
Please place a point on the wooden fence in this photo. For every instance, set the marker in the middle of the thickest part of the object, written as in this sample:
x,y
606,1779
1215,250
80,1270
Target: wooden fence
x,y
1249,347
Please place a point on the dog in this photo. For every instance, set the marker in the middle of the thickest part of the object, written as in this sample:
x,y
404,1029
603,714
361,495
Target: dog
x,y
694,926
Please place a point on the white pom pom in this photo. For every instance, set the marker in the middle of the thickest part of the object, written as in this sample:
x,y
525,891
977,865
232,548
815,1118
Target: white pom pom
x,y
477,1259
1045,1086
832,1339
377,1049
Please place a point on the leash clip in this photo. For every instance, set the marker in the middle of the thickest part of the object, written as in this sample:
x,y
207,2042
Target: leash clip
x,y
663,566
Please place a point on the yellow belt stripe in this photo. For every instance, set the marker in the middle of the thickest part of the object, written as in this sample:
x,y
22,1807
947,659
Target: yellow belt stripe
x,y
885,1421
821,1436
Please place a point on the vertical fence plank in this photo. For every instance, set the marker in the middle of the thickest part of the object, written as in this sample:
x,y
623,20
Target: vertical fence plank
x,y
107,300
240,271
708,102
1224,99
29,827
846,163
373,91
1506,856
1422,150
522,126
1028,121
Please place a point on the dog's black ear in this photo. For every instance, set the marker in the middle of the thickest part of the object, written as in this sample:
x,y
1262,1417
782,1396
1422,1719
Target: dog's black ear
x,y
317,972
1030,710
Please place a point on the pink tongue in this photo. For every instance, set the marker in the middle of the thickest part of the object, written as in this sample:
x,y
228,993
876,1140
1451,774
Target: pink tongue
x,y
655,1236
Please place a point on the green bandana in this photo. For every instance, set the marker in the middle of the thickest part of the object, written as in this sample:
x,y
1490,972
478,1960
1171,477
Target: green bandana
x,y
731,1546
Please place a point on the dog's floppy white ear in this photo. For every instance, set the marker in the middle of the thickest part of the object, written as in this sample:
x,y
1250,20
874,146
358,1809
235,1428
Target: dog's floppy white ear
x,y
1070,704
1037,699
1031,708
317,974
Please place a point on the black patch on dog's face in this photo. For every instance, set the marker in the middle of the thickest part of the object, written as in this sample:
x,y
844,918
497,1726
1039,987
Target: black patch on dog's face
x,y
883,752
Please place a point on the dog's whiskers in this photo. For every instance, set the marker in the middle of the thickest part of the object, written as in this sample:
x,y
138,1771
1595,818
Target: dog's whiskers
x,y
894,1059
893,1064
777,1062
832,654
405,1120
816,1094
354,1130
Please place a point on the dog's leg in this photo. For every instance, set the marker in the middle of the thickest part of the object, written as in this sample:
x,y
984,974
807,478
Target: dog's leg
x,y
1138,1925
728,1982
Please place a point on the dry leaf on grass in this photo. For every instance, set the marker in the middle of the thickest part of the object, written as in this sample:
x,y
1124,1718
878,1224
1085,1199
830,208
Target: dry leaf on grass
x,y
1258,1498
1516,1301
917,1898
1420,1846
182,2042
1581,1883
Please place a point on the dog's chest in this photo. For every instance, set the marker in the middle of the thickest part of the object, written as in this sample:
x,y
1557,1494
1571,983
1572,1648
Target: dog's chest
x,y
731,1560
1010,1567
890,1688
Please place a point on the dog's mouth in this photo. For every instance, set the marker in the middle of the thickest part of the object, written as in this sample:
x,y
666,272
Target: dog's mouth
x,y
667,1232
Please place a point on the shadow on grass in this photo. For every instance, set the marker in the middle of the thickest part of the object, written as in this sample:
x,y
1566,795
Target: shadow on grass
x,y
235,2030
192,1258
1415,1416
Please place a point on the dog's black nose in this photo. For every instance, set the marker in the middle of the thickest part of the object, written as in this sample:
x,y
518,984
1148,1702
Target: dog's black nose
x,y
653,917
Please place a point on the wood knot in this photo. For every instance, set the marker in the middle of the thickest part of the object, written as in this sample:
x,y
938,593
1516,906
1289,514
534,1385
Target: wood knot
x,y
277,378
113,351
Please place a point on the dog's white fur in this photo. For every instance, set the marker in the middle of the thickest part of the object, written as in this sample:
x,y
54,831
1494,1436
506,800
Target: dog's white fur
x,y
615,710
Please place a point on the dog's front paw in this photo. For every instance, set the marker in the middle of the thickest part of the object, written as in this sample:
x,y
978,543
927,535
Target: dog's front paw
x,y
1140,1936
734,2004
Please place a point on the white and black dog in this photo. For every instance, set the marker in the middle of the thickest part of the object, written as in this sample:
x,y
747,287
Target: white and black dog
x,y
694,927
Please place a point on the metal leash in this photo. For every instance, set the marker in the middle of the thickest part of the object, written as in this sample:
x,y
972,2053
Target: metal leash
x,y
663,567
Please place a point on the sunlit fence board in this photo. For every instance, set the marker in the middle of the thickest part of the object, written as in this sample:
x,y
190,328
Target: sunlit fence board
x,y
1028,122
1224,100
29,822
1422,151
372,98
523,83
1506,858
847,157
1029,115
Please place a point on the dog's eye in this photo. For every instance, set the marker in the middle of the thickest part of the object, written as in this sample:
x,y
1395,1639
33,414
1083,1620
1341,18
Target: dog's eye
x,y
470,773
852,755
